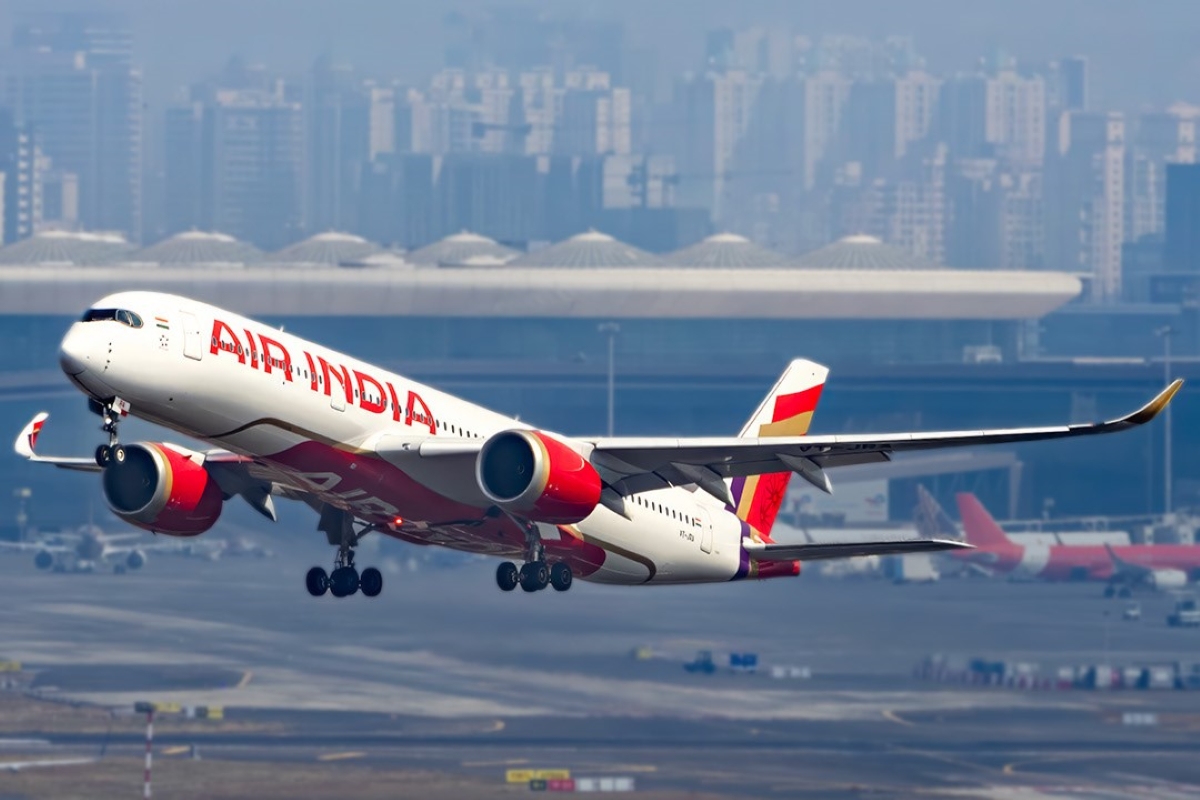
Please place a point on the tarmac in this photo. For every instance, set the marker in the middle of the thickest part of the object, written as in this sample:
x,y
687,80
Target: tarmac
x,y
444,672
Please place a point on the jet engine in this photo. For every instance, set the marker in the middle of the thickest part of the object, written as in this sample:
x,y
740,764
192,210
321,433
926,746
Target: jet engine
x,y
532,474
135,560
1168,579
43,560
161,489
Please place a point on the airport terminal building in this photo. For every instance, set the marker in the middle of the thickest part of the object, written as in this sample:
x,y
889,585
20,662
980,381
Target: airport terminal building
x,y
697,338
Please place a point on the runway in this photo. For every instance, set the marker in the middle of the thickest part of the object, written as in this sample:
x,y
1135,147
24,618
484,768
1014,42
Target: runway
x,y
444,672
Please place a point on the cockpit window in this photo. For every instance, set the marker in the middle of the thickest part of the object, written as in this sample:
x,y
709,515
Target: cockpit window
x,y
113,315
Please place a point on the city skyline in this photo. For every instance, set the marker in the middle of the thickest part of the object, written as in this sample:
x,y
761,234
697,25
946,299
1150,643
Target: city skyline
x,y
530,126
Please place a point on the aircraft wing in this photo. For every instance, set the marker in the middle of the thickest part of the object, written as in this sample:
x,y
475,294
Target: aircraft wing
x,y
17,766
631,465
30,547
817,551
235,474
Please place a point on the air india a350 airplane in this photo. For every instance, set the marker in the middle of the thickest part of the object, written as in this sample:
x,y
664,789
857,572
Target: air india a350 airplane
x,y
371,451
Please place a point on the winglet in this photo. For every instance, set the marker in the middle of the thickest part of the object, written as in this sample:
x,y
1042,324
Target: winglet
x,y
1155,406
27,441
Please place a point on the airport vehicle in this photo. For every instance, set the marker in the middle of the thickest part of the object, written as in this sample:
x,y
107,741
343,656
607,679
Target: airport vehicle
x,y
1124,567
87,550
372,451
1186,613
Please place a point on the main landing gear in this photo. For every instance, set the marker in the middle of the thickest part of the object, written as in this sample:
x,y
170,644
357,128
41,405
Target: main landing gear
x,y
345,578
534,575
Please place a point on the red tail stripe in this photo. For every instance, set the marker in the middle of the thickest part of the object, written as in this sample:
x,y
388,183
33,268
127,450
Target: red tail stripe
x,y
791,405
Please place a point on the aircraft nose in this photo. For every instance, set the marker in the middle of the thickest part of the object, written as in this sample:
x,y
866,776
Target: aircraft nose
x,y
74,353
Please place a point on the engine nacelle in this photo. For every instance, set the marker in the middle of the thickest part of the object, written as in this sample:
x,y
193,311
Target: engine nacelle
x,y
160,489
135,560
532,474
1168,579
43,560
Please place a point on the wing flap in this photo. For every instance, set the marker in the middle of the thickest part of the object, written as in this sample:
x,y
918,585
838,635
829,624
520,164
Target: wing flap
x,y
828,550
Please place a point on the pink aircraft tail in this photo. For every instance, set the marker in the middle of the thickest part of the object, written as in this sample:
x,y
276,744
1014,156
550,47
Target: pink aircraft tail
x,y
979,527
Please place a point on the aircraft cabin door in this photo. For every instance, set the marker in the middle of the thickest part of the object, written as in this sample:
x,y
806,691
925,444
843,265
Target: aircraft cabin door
x,y
193,339
704,521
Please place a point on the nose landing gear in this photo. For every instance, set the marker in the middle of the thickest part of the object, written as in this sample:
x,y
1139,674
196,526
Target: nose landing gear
x,y
111,412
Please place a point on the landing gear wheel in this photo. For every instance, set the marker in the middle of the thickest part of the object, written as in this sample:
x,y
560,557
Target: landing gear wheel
x,y
507,576
1110,591
535,576
561,577
371,582
1124,592
316,581
343,582
103,455
118,454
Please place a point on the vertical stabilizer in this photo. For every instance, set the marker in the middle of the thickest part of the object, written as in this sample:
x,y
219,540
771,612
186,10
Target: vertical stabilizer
x,y
787,410
932,521
980,529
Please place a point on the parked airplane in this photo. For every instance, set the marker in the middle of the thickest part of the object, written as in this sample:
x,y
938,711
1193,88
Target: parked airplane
x,y
374,451
86,550
1158,566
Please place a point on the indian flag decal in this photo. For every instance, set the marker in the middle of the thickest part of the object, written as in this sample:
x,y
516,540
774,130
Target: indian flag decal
x,y
162,323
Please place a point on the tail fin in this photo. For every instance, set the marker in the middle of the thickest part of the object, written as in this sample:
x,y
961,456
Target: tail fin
x,y
931,519
787,410
980,529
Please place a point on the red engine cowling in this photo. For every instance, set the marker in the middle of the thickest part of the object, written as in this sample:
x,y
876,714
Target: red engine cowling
x,y
163,490
535,475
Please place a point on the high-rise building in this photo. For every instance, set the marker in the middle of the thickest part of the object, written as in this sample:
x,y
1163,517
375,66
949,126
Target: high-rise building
x,y
71,77
1181,251
712,113
21,164
337,145
885,116
595,118
1085,194
235,164
994,216
1067,84
1002,114
187,163
1157,141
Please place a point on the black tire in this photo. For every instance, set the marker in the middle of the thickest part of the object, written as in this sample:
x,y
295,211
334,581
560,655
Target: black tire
x,y
507,576
316,581
103,455
541,575
561,577
370,582
1110,591
1125,591
529,578
118,455
343,582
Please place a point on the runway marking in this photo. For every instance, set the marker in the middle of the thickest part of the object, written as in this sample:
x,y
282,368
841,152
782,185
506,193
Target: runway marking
x,y
891,716
174,751
506,762
247,676
340,756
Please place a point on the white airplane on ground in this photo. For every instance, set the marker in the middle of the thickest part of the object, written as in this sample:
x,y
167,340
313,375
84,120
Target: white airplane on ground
x,y
86,550
374,451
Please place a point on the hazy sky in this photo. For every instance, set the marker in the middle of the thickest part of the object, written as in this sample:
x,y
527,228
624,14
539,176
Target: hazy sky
x,y
1143,54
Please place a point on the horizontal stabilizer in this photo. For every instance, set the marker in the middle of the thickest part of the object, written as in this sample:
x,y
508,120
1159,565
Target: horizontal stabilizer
x,y
821,551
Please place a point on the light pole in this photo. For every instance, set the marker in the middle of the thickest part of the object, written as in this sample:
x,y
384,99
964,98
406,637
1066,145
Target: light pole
x,y
612,329
22,493
1166,332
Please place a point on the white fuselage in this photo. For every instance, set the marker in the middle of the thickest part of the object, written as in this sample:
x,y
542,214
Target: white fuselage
x,y
312,418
